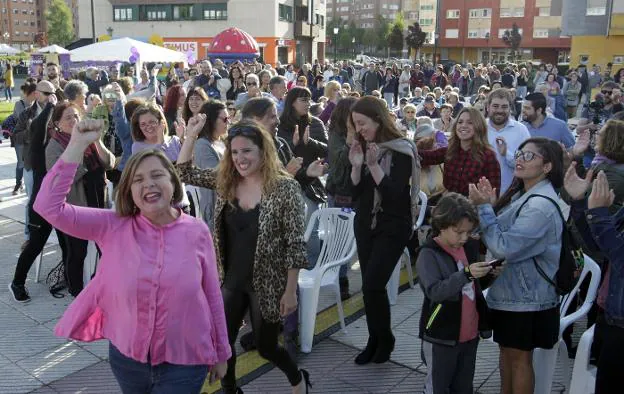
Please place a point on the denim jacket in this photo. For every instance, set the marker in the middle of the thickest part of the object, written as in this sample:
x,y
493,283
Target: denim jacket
x,y
604,231
534,234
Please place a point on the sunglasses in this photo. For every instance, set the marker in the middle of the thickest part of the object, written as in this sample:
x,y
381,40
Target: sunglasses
x,y
251,83
244,131
46,93
526,155
609,92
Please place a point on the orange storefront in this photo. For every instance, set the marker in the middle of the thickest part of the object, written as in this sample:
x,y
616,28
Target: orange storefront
x,y
272,49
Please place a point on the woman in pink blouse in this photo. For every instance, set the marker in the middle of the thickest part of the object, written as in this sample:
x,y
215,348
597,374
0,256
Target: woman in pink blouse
x,y
156,294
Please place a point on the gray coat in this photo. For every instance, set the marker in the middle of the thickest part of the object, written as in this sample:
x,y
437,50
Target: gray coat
x,y
205,156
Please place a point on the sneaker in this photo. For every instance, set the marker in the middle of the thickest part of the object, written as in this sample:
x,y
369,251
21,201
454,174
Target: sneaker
x,y
16,189
20,294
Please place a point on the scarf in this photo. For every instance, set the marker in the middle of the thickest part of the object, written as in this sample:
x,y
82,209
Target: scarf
x,y
407,147
90,158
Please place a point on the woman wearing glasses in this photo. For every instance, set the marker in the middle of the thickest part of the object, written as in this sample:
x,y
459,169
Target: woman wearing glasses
x,y
524,229
209,150
149,131
258,232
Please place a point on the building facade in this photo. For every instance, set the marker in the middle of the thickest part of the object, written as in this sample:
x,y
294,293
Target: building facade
x,y
597,31
19,22
288,31
472,31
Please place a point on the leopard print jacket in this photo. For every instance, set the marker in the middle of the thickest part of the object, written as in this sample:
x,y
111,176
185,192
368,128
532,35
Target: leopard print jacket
x,y
280,244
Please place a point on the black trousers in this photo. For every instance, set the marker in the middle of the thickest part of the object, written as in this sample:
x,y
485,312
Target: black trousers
x,y
379,251
74,263
609,374
40,230
236,303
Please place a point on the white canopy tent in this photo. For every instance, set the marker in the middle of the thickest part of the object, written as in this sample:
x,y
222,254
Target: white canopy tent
x,y
8,50
120,50
52,49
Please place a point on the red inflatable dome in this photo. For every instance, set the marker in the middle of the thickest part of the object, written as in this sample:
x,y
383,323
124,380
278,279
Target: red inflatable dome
x,y
233,43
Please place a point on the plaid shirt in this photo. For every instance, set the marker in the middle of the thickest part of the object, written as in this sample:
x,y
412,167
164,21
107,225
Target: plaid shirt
x,y
462,169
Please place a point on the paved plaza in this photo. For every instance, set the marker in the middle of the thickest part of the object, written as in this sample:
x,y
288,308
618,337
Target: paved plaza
x,y
32,359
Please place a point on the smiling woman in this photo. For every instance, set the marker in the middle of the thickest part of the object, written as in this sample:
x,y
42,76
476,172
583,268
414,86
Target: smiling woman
x,y
149,130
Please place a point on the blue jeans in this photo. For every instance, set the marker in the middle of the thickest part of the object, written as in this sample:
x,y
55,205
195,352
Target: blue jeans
x,y
28,183
140,378
8,93
19,167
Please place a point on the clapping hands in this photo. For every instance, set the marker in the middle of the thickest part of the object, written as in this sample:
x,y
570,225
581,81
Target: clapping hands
x,y
601,196
482,192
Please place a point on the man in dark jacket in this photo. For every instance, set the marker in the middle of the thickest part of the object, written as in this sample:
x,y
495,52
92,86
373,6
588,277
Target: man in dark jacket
x,y
370,80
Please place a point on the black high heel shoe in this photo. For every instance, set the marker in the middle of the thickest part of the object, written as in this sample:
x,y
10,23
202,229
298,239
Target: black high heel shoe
x,y
306,377
366,356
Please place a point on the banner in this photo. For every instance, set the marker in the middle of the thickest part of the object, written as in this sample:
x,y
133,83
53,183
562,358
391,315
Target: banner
x,y
36,65
183,46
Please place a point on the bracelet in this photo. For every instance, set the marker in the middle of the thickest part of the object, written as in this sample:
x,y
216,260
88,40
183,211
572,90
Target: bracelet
x,y
468,273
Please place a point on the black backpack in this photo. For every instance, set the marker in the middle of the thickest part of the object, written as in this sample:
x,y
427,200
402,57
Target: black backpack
x,y
571,259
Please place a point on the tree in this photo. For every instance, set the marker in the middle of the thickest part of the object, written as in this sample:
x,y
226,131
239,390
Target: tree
x,y
59,19
382,31
395,39
513,38
415,38
369,39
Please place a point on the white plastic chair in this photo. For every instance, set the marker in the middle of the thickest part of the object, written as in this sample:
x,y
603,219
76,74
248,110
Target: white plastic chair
x,y
584,374
545,360
393,284
194,193
338,248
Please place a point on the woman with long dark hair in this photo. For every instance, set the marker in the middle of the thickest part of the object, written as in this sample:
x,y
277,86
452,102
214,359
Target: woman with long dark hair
x,y
237,80
174,103
524,227
384,163
195,98
258,232
209,150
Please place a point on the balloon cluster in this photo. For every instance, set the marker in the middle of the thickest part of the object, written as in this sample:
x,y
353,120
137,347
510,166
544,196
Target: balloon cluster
x,y
134,55
190,57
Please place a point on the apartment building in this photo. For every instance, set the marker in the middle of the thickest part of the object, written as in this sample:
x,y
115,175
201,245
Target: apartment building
x,y
472,31
597,31
19,22
362,12
288,31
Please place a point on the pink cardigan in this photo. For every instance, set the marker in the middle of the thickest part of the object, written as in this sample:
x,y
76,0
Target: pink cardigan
x,y
156,291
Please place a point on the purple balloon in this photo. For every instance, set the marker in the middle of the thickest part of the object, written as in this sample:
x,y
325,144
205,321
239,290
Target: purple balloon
x,y
134,51
133,59
191,60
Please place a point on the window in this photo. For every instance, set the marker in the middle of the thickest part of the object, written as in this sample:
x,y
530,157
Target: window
x,y
122,14
596,11
452,14
505,12
426,7
344,9
412,15
393,7
481,13
544,11
563,57
518,12
501,32
618,59
218,12
452,33
285,13
473,33
426,22
320,20
155,12
540,33
182,12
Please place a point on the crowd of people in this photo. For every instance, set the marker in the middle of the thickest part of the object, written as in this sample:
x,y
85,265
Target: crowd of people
x,y
106,158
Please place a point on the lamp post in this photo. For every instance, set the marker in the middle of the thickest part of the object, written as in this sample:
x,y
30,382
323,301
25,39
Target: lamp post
x,y
109,31
353,42
6,36
336,30
436,36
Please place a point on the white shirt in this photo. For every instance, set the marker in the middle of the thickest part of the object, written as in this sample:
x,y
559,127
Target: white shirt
x,y
514,133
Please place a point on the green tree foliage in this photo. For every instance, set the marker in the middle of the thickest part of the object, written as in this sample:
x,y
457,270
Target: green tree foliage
x,y
382,31
513,38
395,39
415,38
59,19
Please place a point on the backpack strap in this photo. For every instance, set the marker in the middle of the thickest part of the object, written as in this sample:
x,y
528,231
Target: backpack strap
x,y
537,267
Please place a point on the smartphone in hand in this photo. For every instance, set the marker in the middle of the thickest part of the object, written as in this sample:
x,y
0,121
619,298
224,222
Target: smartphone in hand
x,y
496,263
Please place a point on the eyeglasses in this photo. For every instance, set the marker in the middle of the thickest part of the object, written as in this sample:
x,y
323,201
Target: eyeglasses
x,y
526,155
251,83
151,123
609,92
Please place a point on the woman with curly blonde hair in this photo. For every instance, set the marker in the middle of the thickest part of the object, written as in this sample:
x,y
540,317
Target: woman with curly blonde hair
x,y
258,232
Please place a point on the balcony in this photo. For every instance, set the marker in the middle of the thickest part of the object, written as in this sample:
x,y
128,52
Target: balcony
x,y
305,30
301,3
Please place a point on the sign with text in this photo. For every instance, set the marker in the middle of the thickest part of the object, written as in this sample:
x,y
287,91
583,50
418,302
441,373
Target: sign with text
x,y
182,46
